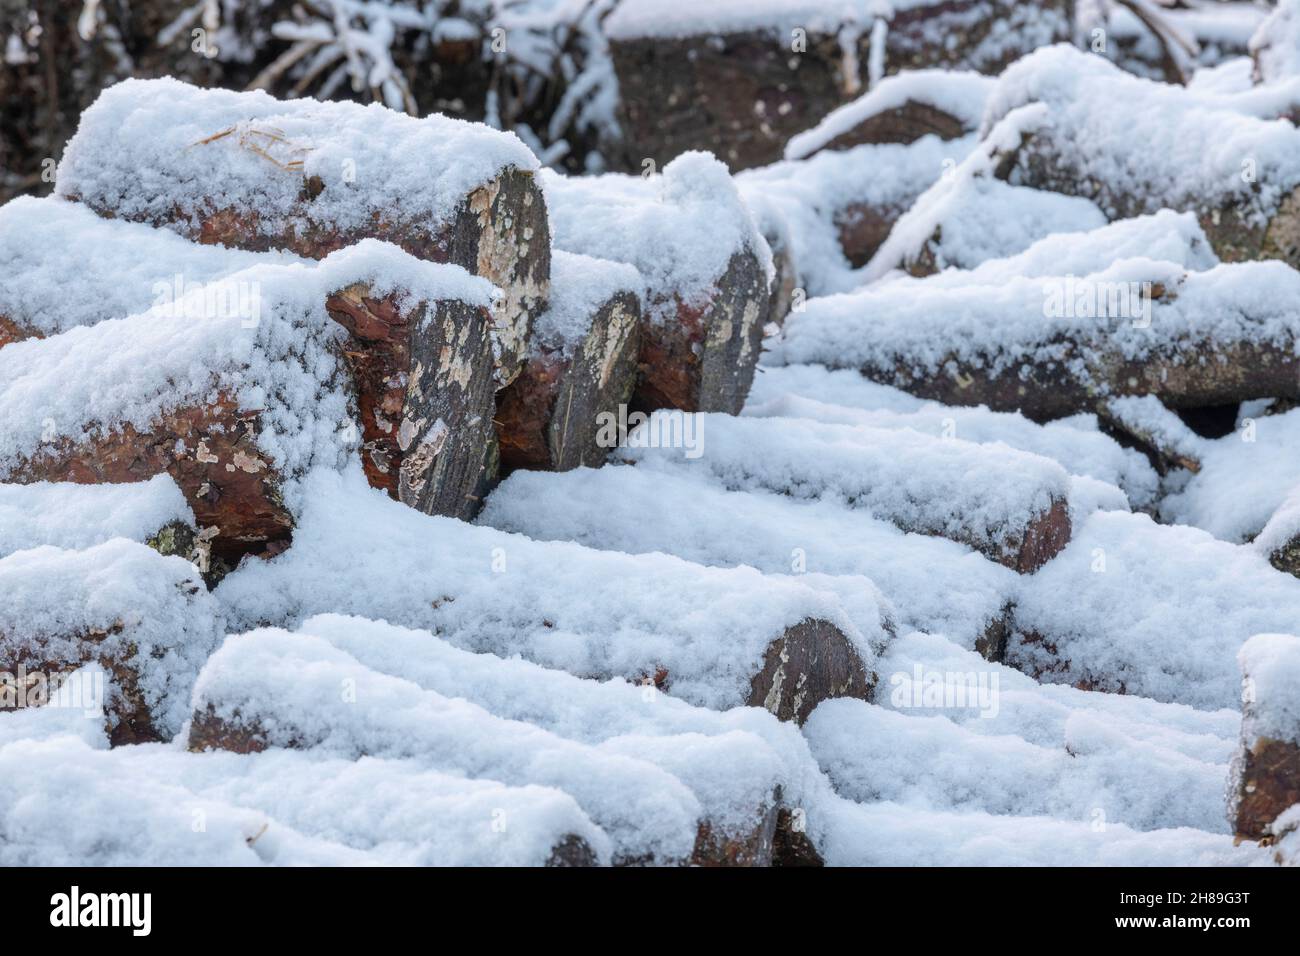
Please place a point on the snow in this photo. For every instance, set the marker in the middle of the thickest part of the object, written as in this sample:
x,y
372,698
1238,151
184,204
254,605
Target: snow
x,y
160,620
1270,667
62,266
680,228
356,551
997,327
959,94
1076,443
171,131
1157,611
1283,526
79,516
635,19
1245,478
297,690
815,195
580,286
930,583
1192,158
983,495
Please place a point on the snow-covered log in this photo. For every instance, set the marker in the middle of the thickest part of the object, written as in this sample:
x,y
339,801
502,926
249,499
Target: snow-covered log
x,y
703,634
62,266
932,584
412,360
1280,538
1133,607
1148,425
739,78
839,205
662,797
238,387
1275,45
1245,190
1053,346
1266,771
81,516
1015,513
582,366
706,271
146,621
901,109
252,172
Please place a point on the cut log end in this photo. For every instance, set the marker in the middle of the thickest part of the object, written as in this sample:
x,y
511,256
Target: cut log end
x,y
1267,782
811,662
553,415
1044,538
704,360
571,851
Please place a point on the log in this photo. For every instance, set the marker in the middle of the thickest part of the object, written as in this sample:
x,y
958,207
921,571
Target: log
x,y
251,172
1016,515
147,620
581,368
809,663
1265,774
933,585
336,343
550,699
1052,347
649,813
1247,202
701,78
699,633
1273,46
1143,423
900,109
81,516
706,269
65,267
840,204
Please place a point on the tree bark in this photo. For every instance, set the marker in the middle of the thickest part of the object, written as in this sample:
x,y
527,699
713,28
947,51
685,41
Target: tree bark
x,y
551,416
704,360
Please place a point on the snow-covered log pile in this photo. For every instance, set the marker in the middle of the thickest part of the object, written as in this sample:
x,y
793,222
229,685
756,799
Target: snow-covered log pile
x,y
920,497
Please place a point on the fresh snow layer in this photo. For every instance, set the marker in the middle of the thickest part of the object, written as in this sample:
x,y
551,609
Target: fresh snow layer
x,y
932,584
580,285
998,326
206,150
815,195
679,228
957,93
158,617
1270,665
73,516
62,266
299,690
1192,158
1076,443
592,613
984,495
1157,611
1245,478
